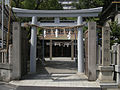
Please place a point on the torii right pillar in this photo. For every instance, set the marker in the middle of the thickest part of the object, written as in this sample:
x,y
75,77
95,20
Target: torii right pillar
x,y
106,71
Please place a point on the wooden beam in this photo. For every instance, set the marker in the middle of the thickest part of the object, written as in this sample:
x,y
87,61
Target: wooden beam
x,y
116,2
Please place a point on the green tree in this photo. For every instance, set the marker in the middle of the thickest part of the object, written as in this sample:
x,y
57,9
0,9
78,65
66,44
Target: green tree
x,y
115,32
28,4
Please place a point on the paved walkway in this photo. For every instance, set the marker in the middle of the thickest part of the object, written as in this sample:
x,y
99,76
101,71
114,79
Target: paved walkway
x,y
60,72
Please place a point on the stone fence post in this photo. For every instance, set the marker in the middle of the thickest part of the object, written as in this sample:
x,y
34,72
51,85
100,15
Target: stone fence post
x,y
117,67
114,55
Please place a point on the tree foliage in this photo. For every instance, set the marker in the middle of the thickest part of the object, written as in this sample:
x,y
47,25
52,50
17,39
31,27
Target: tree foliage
x,y
115,32
37,4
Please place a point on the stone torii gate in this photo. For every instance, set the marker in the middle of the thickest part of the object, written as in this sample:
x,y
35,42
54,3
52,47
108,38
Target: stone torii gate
x,y
93,12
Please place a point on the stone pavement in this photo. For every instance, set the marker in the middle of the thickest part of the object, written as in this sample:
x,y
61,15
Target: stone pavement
x,y
60,72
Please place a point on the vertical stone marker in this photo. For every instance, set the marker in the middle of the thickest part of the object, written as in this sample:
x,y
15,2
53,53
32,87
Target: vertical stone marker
x,y
91,51
106,70
106,46
16,57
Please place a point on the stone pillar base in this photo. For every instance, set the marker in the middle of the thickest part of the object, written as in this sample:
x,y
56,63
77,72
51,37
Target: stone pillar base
x,y
106,74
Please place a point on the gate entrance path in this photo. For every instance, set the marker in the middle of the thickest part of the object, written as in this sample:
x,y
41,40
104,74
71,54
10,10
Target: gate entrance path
x,y
58,65
59,73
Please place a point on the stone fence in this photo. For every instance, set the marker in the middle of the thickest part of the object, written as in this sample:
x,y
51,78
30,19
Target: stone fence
x,y
114,60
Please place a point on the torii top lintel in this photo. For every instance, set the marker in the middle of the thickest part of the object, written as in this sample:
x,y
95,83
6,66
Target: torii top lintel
x,y
92,12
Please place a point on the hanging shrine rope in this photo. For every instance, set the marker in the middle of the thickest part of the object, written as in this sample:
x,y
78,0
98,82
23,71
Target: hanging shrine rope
x,y
33,25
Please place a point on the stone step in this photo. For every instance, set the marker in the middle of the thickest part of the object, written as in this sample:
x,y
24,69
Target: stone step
x,y
75,81
55,88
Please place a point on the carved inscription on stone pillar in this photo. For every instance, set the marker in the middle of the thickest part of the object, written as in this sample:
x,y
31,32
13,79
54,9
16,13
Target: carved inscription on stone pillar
x,y
91,51
105,46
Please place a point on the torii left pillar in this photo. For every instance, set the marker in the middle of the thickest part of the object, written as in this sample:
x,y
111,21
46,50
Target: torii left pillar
x,y
80,47
33,46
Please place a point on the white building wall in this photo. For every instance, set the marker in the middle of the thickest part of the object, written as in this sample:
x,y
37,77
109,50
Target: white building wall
x,y
67,3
